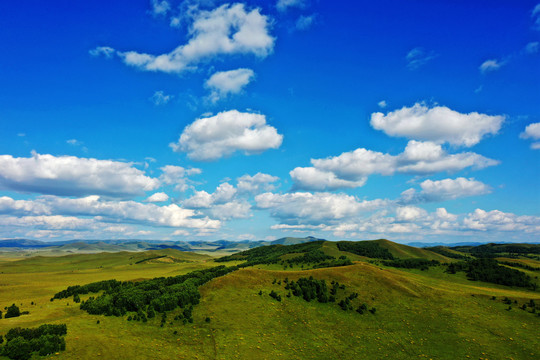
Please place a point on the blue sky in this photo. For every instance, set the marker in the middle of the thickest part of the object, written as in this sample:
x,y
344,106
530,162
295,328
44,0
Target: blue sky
x,y
206,120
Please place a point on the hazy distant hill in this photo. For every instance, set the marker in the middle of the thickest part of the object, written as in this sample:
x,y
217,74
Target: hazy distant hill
x,y
88,246
424,244
293,240
22,243
412,250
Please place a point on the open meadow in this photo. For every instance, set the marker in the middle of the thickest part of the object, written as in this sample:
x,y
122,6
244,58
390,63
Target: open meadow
x,y
418,313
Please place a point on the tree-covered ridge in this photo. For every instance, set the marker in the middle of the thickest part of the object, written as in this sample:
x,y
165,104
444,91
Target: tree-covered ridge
x,y
442,250
44,340
492,250
106,285
520,265
365,248
421,264
489,270
146,297
311,253
342,261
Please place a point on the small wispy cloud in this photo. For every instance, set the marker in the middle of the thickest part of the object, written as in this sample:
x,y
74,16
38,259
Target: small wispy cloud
x,y
418,57
160,7
536,16
491,65
284,5
78,143
104,51
382,104
532,47
305,22
160,98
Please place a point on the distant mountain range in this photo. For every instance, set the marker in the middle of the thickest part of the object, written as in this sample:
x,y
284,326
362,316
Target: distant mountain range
x,y
92,246
423,244
143,245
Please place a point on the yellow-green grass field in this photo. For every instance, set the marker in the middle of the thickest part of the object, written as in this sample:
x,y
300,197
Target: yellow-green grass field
x,y
420,314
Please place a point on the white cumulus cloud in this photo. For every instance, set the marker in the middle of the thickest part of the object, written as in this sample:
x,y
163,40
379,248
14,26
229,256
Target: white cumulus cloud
x,y
73,176
177,176
410,213
222,204
532,131
438,124
223,83
256,183
210,138
201,199
496,220
311,178
226,30
350,169
49,222
158,197
110,211
446,189
306,207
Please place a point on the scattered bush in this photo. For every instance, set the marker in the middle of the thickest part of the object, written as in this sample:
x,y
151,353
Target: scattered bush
x,y
275,295
13,311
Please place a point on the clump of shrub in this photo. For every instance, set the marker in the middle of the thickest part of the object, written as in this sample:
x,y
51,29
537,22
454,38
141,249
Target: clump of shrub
x,y
275,295
22,343
12,311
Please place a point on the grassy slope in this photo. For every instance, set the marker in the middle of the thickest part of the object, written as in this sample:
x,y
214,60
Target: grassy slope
x,y
528,262
409,252
96,261
419,314
397,250
414,318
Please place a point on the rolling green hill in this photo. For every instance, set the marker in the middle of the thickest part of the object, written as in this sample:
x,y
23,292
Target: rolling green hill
x,y
416,313
99,261
408,252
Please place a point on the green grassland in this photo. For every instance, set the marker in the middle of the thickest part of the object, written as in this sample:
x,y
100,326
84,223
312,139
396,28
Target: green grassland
x,y
420,314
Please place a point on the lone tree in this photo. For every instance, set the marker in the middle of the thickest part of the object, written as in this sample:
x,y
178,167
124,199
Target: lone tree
x,y
13,311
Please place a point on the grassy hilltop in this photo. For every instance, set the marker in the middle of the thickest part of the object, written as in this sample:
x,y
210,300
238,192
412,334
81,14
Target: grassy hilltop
x,y
420,308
